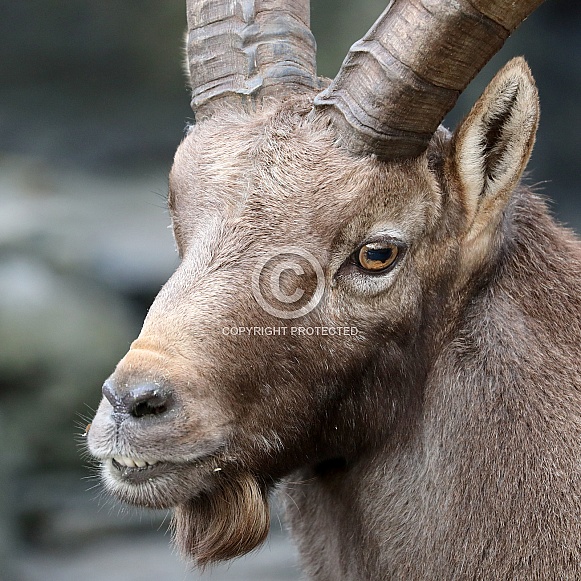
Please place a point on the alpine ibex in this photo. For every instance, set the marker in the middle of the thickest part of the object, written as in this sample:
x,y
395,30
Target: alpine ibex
x,y
369,311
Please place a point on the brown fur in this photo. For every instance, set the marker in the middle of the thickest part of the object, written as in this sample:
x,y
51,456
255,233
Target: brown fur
x,y
439,442
208,527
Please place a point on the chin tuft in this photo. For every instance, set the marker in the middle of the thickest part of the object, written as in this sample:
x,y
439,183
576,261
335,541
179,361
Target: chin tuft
x,y
228,522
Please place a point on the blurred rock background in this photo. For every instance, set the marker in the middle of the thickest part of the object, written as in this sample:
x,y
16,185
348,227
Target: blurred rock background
x,y
92,106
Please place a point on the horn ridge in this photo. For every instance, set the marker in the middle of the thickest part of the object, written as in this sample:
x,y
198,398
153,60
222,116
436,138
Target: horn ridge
x,y
397,83
384,124
240,51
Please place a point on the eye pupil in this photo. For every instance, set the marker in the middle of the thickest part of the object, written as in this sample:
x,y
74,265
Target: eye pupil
x,y
377,257
378,254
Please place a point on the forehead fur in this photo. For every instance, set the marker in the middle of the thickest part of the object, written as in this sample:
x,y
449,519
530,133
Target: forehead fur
x,y
280,167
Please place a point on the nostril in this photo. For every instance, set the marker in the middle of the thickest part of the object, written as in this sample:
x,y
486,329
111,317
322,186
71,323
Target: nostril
x,y
150,407
146,400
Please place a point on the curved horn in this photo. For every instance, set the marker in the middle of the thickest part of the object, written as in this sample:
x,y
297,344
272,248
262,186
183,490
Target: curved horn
x,y
242,50
398,82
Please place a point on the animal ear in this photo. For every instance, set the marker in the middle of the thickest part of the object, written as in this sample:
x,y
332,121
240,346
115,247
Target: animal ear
x,y
493,144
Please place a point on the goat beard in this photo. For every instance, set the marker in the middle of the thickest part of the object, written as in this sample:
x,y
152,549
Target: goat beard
x,y
226,522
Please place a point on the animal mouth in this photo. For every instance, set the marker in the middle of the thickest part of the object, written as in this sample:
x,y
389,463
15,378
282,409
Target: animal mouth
x,y
159,483
136,470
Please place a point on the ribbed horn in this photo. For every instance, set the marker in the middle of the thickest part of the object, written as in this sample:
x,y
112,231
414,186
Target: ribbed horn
x,y
240,51
398,82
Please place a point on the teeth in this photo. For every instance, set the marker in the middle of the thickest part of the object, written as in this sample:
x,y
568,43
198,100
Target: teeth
x,y
133,462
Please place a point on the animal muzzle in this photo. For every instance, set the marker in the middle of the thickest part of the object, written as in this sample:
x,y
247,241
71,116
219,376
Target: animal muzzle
x,y
157,439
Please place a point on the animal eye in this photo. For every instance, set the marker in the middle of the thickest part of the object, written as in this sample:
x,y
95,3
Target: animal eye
x,y
377,257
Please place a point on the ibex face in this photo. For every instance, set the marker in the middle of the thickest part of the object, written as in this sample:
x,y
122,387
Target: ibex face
x,y
221,396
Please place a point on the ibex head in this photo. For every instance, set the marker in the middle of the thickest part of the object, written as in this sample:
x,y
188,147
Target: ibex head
x,y
373,225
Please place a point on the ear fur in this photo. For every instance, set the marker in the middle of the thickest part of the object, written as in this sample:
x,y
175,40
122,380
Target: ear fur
x,y
493,144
